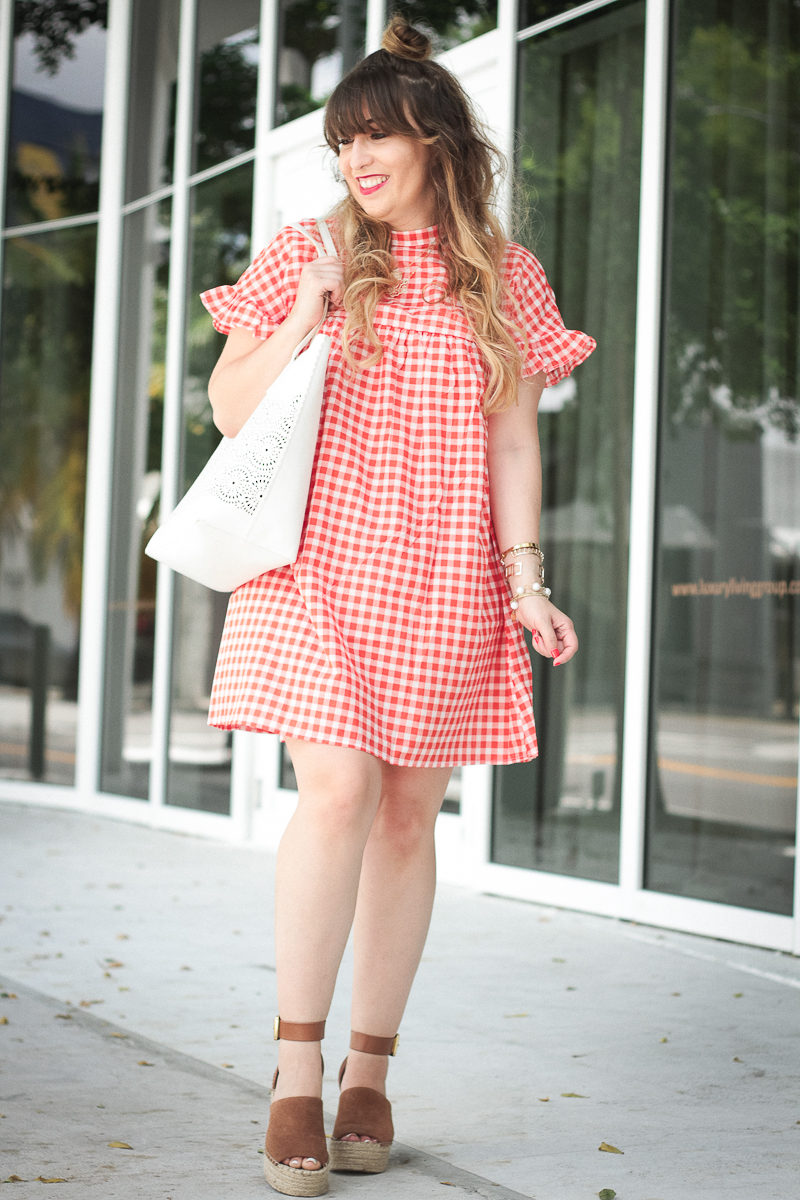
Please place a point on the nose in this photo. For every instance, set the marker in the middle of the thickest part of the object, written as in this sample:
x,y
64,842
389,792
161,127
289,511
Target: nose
x,y
361,151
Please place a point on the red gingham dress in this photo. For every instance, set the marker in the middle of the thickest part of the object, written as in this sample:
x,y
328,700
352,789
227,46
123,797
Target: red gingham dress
x,y
392,632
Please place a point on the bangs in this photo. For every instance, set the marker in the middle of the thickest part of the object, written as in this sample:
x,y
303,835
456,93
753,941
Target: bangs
x,y
371,99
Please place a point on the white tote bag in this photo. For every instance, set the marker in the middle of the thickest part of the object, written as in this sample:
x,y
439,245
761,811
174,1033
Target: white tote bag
x,y
244,513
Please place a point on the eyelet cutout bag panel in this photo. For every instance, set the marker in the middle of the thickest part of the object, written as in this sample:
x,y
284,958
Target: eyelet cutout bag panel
x,y
244,513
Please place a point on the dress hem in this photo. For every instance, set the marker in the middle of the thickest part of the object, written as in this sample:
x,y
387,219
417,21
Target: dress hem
x,y
392,760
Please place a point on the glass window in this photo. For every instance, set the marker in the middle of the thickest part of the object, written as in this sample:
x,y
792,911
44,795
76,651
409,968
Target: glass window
x,y
727,653
227,78
199,768
151,96
580,127
56,117
128,695
319,41
48,298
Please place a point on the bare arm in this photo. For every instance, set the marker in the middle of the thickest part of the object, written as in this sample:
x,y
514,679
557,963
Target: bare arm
x,y
515,496
248,365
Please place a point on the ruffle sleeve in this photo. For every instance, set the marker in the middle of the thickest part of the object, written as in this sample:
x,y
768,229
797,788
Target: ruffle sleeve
x,y
544,341
263,296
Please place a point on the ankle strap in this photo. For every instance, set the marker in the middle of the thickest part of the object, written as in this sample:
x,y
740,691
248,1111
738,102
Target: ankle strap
x,y
368,1044
296,1031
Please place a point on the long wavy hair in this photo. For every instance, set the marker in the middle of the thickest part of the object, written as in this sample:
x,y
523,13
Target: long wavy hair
x,y
402,91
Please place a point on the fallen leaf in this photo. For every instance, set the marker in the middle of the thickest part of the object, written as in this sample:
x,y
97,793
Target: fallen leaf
x,y
544,1099
737,1059
738,995
113,964
228,1065
513,1016
89,1003
574,1096
609,1149
14,1179
63,1016
50,1179
119,1146
8,995
118,1035
662,1040
607,1194
144,1063
3,1020
558,960
123,937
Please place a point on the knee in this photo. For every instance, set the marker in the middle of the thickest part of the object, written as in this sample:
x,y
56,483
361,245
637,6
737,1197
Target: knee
x,y
340,806
404,827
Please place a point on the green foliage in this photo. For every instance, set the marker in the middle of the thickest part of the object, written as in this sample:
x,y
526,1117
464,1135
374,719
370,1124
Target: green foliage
x,y
55,25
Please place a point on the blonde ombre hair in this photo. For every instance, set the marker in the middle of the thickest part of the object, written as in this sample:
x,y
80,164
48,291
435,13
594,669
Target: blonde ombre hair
x,y
402,90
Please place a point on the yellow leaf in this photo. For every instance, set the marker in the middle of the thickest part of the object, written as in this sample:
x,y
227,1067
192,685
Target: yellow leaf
x,y
113,964
574,1096
14,1179
609,1149
544,1099
662,1040
50,1179
118,1035
119,1146
89,1003
144,1063
63,1016
3,1020
8,995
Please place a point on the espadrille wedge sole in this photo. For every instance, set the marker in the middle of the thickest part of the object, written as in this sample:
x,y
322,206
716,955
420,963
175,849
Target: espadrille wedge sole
x,y
370,1158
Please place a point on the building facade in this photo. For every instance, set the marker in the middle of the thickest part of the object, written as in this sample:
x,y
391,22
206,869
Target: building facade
x,y
151,146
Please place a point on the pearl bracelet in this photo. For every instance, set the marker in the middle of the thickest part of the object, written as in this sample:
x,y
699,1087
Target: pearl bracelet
x,y
537,589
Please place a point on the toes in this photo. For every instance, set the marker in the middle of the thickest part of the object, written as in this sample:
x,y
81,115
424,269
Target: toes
x,y
357,1137
305,1164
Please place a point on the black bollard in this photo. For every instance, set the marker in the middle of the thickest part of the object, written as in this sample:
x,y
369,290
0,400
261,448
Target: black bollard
x,y
40,670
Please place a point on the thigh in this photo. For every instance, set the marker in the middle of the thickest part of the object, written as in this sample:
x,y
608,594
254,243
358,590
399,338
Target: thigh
x,y
321,769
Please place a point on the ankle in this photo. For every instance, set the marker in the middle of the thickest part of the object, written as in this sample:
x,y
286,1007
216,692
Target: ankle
x,y
366,1070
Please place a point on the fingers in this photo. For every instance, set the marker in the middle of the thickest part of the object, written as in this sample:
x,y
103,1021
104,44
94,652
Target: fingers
x,y
552,631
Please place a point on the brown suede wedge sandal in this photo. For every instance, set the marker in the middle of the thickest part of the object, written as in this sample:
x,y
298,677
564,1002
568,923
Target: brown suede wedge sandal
x,y
296,1128
365,1112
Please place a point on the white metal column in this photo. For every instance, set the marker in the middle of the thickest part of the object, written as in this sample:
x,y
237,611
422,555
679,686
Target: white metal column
x,y
100,451
644,439
173,392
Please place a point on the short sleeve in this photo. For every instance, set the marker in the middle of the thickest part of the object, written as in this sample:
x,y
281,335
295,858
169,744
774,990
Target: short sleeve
x,y
544,341
263,296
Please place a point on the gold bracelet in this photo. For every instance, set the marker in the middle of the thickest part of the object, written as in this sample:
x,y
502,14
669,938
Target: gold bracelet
x,y
523,548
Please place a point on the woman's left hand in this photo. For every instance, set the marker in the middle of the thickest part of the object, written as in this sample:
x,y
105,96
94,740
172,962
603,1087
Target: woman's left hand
x,y
553,633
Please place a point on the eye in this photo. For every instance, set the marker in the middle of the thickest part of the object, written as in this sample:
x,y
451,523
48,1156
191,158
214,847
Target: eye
x,y
376,137
342,141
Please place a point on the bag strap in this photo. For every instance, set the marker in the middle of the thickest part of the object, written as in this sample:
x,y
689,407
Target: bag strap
x,y
330,248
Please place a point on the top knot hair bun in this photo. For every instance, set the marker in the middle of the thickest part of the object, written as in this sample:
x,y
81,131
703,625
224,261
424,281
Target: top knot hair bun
x,y
405,41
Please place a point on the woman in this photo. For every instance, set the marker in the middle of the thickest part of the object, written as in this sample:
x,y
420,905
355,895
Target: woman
x,y
392,648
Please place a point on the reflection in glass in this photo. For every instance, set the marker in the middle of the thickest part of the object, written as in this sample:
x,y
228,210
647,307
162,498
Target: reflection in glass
x,y
128,687
580,123
227,78
56,116
48,297
199,768
727,666
151,96
318,43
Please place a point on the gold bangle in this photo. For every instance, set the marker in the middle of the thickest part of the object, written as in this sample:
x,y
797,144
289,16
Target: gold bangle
x,y
523,548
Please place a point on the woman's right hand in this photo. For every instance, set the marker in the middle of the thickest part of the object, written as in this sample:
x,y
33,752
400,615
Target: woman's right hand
x,y
320,277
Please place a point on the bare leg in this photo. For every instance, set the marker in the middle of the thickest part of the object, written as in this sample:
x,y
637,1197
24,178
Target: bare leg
x,y
317,873
395,899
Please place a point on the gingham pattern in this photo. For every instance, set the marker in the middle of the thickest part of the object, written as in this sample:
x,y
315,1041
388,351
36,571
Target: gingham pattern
x,y
391,633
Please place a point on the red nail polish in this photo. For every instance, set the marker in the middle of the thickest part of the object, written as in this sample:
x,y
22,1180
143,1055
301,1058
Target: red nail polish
x,y
555,653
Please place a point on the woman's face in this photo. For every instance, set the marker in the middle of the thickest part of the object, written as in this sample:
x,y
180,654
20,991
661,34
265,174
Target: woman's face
x,y
388,175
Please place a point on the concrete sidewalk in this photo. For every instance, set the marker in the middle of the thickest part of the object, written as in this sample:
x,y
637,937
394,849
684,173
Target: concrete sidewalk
x,y
138,990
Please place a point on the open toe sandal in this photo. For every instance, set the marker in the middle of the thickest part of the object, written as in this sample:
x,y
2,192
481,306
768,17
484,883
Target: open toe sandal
x,y
296,1128
365,1112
